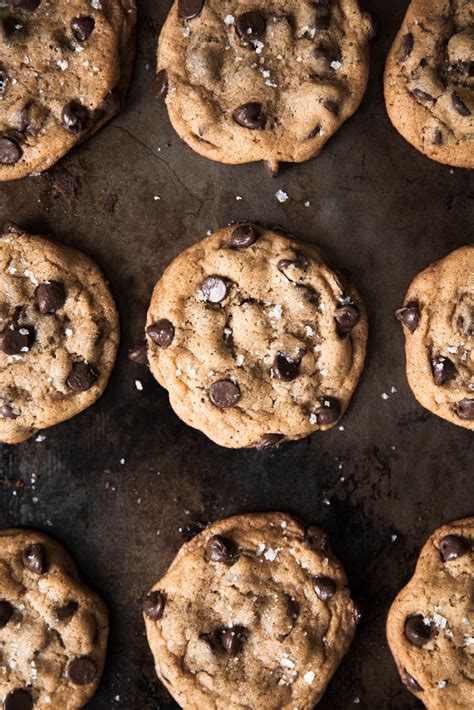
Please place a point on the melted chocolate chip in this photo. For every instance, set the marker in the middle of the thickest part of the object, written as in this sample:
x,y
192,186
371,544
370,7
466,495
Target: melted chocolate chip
x,y
325,588
10,151
7,411
269,441
212,642
443,370
329,411
285,368
6,611
34,558
459,105
50,296
251,25
416,631
18,699
67,611
308,293
406,46
331,106
409,315
250,115
189,9
82,27
343,277
347,316
422,95
410,683
112,103
437,137
243,236
138,354
232,639
75,117
161,85
224,394
81,671
452,546
299,262
13,341
28,5
214,289
154,605
316,538
465,409
221,549
82,377
161,333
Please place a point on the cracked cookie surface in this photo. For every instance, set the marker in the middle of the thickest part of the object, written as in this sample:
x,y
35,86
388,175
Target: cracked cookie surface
x,y
430,626
256,338
429,80
253,612
53,629
59,334
438,322
65,67
253,80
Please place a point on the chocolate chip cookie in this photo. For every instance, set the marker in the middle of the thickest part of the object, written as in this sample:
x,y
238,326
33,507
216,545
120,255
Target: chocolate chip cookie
x,y
438,320
65,67
53,629
254,612
262,80
256,337
430,626
59,334
429,80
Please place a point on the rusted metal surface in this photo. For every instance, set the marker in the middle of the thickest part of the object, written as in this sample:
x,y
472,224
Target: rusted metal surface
x,y
378,208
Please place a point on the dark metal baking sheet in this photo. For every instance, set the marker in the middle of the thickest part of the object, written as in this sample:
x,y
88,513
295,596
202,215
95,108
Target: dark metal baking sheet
x,y
378,208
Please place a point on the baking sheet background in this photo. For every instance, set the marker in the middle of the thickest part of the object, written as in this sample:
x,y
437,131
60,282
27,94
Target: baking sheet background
x,y
379,209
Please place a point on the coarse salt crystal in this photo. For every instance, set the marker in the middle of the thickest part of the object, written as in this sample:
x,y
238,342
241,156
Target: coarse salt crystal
x,y
281,196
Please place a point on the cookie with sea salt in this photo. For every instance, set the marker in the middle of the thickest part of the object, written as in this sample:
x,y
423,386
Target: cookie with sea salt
x,y
429,80
53,629
65,67
59,334
272,81
430,625
254,612
256,337
438,321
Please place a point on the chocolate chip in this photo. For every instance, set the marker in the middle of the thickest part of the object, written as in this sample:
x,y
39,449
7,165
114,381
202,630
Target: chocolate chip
x,y
251,25
82,27
10,151
443,370
188,9
232,639
285,368
139,354
325,587
14,340
6,611
66,611
34,558
331,106
416,631
308,293
452,546
224,394
50,296
269,441
243,236
409,315
343,277
112,103
29,5
7,411
161,333
459,105
18,699
154,605
81,671
11,26
161,84
437,137
315,132
75,117
250,115
299,262
422,95
82,377
406,46
221,549
214,289
329,411
347,316
465,409
212,642
410,683
316,538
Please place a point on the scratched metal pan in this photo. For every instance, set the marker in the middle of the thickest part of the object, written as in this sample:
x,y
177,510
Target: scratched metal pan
x,y
125,483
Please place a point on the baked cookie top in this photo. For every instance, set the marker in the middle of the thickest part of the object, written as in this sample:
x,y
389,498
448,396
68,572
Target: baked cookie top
x,y
270,80
430,625
256,338
53,629
65,66
438,320
59,334
253,612
429,80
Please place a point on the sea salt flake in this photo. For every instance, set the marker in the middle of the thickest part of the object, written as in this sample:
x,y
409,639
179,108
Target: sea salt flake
x,y
384,395
271,555
275,312
336,64
260,549
440,621
442,684
138,385
281,196
62,64
286,662
229,20
309,677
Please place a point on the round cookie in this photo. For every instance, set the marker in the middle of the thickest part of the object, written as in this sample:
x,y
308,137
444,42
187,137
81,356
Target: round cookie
x,y
253,612
438,320
430,626
53,629
257,339
65,67
262,80
429,80
59,334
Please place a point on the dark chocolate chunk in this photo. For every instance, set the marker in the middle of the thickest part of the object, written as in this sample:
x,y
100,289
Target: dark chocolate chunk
x,y
214,289
67,611
250,115
443,370
465,409
82,671
232,639
243,236
224,394
409,315
325,588
50,296
329,411
19,699
154,605
10,151
75,117
6,611
452,546
416,631
82,377
34,558
284,368
161,333
406,46
251,25
82,27
189,9
347,316
316,538
221,549
15,340
269,441
161,85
